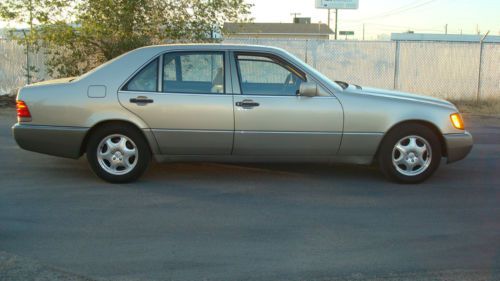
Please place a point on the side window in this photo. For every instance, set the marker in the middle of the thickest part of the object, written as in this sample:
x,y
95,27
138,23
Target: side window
x,y
146,80
198,73
261,75
169,70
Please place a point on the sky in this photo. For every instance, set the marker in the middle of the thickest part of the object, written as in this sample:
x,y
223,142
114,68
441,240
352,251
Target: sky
x,y
387,16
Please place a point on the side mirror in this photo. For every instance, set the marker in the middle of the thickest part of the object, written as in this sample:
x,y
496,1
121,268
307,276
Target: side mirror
x,y
308,89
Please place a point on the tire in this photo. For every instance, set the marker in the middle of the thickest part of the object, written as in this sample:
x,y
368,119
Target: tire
x,y
410,153
118,153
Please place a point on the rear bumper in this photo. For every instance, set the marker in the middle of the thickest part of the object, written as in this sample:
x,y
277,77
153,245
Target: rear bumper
x,y
52,140
458,146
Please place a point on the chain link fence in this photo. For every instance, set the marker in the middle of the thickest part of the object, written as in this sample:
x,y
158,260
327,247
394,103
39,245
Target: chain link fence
x,y
451,70
14,71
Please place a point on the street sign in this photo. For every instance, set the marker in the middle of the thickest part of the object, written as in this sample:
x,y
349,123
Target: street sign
x,y
337,4
346,33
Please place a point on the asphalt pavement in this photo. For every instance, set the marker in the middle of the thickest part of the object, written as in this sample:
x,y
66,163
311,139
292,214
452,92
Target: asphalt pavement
x,y
209,221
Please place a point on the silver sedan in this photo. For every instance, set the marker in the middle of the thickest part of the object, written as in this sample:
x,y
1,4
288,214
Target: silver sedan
x,y
232,103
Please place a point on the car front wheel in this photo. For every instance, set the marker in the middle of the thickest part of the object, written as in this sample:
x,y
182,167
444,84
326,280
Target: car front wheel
x,y
118,154
410,153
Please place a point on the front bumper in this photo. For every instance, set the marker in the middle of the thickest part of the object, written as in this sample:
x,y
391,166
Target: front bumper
x,y
458,146
52,140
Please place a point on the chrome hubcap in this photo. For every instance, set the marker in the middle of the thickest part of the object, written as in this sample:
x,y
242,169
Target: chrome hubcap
x,y
412,155
117,154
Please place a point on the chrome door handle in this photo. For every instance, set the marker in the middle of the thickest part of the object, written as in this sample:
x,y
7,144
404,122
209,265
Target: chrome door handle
x,y
141,100
247,103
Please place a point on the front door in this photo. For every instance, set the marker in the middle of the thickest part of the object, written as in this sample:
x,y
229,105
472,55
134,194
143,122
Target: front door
x,y
271,119
182,97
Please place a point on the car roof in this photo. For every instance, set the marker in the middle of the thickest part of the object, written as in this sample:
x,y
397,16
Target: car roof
x,y
212,46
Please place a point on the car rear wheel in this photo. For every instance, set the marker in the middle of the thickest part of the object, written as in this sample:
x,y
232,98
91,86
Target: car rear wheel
x,y
410,153
118,153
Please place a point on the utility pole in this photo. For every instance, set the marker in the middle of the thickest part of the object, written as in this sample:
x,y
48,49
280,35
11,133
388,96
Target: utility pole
x,y
336,22
446,29
328,18
27,40
363,32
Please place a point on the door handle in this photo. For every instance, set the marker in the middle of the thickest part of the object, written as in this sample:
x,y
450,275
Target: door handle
x,y
141,100
247,103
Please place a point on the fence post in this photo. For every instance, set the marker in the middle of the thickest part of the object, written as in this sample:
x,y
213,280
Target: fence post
x,y
307,43
481,44
396,66
478,93
27,42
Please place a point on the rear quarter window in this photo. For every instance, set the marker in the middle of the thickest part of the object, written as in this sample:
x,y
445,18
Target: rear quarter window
x,y
146,80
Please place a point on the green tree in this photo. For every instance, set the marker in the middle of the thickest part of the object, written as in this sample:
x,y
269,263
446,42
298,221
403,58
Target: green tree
x,y
29,14
80,35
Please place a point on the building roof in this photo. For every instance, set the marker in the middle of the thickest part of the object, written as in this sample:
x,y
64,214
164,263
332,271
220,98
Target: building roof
x,y
443,37
277,28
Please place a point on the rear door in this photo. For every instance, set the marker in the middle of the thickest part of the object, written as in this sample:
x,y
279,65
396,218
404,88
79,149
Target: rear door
x,y
183,97
272,119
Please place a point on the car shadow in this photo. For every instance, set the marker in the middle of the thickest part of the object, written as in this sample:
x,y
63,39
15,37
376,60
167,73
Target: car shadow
x,y
163,175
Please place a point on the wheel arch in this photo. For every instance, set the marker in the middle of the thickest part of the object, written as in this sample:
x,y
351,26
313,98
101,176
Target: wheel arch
x,y
426,123
146,133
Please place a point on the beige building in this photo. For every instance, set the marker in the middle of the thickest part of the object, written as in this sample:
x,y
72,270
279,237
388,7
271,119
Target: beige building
x,y
277,30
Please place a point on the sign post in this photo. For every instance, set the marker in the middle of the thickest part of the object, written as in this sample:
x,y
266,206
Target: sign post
x,y
346,33
336,4
336,22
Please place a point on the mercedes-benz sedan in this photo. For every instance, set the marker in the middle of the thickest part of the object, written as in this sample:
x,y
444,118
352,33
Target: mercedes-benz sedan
x,y
232,103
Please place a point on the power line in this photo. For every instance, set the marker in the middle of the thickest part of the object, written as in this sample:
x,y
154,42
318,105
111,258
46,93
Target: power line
x,y
403,9
411,6
389,26
427,28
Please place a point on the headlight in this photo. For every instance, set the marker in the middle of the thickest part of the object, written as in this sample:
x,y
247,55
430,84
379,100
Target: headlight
x,y
456,120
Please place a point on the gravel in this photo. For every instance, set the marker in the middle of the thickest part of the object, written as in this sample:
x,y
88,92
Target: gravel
x,y
13,267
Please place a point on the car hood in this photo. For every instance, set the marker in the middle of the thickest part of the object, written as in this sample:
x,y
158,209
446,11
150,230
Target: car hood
x,y
399,95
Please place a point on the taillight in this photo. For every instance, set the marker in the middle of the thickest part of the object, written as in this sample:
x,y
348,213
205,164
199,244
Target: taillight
x,y
23,113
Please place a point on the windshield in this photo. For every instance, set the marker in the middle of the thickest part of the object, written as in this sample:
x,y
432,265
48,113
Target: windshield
x,y
316,73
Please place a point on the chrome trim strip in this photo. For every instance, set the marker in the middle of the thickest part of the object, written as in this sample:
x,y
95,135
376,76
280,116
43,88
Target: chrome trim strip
x,y
47,127
363,133
288,132
245,131
190,130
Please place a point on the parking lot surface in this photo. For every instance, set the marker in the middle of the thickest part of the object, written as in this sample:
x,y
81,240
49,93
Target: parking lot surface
x,y
209,221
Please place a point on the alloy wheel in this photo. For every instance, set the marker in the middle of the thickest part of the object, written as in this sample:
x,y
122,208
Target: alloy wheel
x,y
117,154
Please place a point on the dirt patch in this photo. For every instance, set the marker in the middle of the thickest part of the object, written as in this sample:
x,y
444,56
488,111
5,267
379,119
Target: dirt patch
x,y
7,101
486,107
